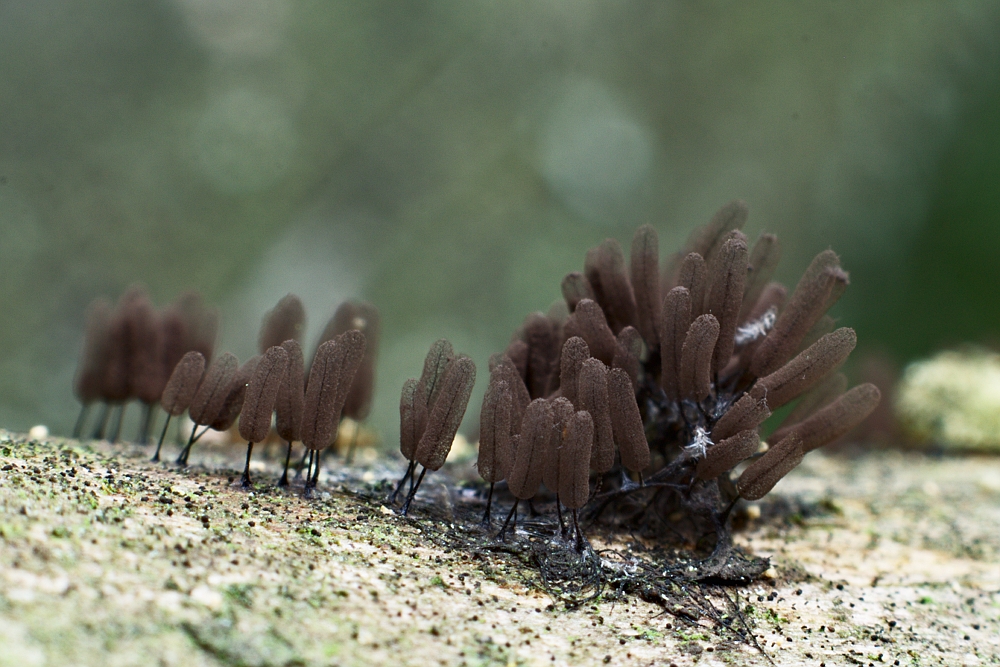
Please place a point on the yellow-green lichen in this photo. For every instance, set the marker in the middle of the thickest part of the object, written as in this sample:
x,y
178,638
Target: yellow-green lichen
x,y
953,400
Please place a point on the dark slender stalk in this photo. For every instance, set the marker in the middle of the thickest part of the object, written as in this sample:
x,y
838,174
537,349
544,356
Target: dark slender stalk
x,y
102,423
245,482
118,424
413,491
163,434
311,477
317,463
302,463
78,427
487,522
627,483
562,526
579,535
182,458
409,472
288,457
412,478
725,515
592,513
513,513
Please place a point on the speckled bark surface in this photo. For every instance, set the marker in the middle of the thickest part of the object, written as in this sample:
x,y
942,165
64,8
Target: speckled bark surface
x,y
107,559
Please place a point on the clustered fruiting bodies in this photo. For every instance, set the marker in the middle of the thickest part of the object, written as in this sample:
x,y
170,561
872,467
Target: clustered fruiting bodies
x,y
430,412
130,350
658,381
121,347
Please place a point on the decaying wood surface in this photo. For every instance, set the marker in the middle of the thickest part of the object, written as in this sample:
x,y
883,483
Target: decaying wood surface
x,y
108,559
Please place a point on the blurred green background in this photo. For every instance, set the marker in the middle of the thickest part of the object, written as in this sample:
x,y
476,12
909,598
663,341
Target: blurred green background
x,y
451,161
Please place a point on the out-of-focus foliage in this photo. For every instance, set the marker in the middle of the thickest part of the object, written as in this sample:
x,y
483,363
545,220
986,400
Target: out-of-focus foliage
x,y
945,288
450,161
